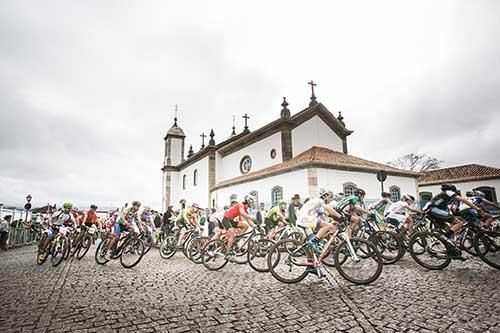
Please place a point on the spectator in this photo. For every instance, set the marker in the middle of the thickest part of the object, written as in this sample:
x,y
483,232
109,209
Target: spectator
x,y
293,208
4,231
166,225
261,214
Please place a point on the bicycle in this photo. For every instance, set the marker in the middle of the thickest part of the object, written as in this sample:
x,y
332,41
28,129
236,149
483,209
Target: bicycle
x,y
168,246
58,248
352,257
130,250
82,242
214,254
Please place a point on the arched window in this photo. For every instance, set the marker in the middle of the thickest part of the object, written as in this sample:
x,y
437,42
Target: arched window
x,y
276,195
349,188
195,177
395,193
255,195
233,197
184,182
425,197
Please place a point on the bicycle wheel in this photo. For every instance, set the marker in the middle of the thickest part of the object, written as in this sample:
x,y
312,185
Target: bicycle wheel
x,y
132,252
257,255
84,247
329,259
363,264
240,247
289,266
428,250
195,248
389,246
467,242
148,242
41,257
213,255
59,251
168,247
102,249
487,246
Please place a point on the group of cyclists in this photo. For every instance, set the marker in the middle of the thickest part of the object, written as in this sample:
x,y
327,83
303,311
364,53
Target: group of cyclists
x,y
316,217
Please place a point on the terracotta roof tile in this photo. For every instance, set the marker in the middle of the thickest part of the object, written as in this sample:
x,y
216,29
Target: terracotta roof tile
x,y
459,174
317,157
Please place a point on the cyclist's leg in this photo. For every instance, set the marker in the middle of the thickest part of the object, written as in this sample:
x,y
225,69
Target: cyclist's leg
x,y
323,228
409,222
352,226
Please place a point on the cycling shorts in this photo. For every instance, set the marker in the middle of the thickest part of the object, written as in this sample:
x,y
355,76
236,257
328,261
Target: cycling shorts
x,y
440,216
228,224
399,218
119,228
310,222
271,223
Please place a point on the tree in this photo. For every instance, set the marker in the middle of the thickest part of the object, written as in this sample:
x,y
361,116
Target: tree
x,y
416,162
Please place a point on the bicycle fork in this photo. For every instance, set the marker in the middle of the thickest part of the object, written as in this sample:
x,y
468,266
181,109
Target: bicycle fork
x,y
351,248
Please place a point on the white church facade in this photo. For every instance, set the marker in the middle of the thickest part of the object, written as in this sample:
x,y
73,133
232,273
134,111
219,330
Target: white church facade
x,y
295,154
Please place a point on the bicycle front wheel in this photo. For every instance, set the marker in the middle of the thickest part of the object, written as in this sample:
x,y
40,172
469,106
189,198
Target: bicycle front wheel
x,y
59,251
358,261
288,260
257,255
389,246
168,247
102,249
428,250
84,247
213,255
195,248
487,246
132,252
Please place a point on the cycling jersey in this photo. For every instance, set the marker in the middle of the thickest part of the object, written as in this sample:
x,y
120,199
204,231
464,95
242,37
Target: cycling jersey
x,y
272,214
62,218
397,211
91,218
311,207
443,199
381,205
234,211
129,215
347,203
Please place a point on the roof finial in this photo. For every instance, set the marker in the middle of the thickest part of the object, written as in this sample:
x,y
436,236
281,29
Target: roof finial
x,y
246,117
285,113
203,136
212,141
313,97
175,118
190,152
340,118
234,128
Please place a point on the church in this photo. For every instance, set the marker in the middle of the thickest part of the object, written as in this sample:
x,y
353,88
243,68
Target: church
x,y
294,154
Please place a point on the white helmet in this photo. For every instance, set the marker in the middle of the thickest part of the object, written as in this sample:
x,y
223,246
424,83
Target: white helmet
x,y
322,192
479,194
409,198
249,199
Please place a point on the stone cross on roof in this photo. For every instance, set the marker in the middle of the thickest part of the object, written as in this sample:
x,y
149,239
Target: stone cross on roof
x,y
246,117
313,97
203,136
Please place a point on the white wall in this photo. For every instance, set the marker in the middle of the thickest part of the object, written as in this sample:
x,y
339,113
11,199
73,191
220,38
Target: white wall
x,y
198,193
291,182
335,179
176,151
228,167
465,186
314,132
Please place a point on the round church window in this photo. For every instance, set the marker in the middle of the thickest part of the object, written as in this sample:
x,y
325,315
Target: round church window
x,y
273,153
245,164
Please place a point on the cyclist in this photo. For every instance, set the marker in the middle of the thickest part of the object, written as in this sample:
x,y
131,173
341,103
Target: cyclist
x,y
276,219
396,213
239,211
437,210
124,223
311,217
292,210
90,217
60,218
478,198
188,216
378,208
352,207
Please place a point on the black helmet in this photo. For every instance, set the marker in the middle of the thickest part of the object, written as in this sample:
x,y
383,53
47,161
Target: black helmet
x,y
359,191
386,195
93,207
448,187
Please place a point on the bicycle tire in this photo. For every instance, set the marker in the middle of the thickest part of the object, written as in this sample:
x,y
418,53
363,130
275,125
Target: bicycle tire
x,y
259,249
195,248
137,245
59,251
274,262
214,250
420,239
84,247
101,250
168,247
490,246
389,246
371,252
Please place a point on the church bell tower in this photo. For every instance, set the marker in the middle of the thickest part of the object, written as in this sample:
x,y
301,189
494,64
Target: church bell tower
x,y
174,155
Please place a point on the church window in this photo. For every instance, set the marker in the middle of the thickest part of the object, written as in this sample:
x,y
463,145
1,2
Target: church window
x,y
273,153
246,164
349,188
195,177
276,195
184,182
255,195
395,193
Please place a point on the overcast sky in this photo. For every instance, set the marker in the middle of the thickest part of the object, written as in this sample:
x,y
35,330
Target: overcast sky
x,y
88,88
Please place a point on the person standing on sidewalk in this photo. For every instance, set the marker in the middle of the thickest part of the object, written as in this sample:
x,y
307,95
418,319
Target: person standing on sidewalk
x,y
4,231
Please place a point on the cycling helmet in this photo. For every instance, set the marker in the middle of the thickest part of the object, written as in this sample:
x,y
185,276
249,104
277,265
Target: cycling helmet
x,y
386,195
249,199
469,194
93,207
322,192
182,201
479,194
195,206
67,205
136,203
409,198
75,209
448,187
282,202
226,207
359,191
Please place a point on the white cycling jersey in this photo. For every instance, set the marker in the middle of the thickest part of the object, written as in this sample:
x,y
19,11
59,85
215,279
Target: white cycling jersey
x,y
311,207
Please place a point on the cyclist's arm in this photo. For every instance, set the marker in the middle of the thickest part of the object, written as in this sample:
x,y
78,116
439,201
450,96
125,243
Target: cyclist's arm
x,y
359,209
247,217
491,203
282,218
411,209
468,203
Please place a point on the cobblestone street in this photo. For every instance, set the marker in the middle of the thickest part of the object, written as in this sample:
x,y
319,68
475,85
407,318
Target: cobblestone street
x,y
177,296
